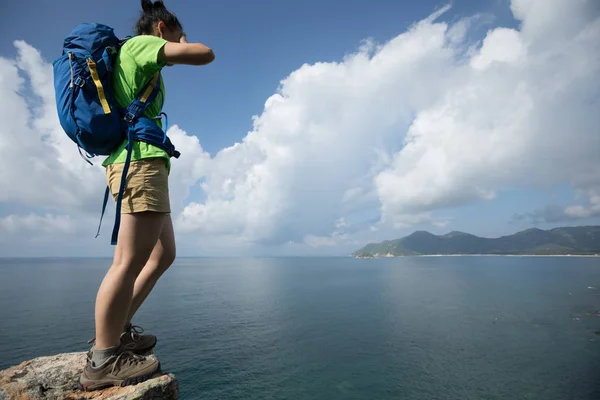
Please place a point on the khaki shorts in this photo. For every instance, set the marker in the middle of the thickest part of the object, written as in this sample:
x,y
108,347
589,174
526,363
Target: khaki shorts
x,y
147,185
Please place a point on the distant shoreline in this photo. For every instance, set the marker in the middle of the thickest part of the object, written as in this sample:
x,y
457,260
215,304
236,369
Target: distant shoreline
x,y
567,241
480,255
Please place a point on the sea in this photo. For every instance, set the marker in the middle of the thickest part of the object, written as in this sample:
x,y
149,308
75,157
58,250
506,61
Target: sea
x,y
457,328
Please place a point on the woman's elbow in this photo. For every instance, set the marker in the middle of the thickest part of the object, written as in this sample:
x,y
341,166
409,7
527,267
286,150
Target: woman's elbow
x,y
209,57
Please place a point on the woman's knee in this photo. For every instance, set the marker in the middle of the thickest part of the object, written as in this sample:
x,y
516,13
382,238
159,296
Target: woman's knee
x,y
159,263
127,271
167,259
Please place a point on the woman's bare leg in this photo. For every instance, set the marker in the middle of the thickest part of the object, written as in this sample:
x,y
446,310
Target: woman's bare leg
x,y
138,235
160,260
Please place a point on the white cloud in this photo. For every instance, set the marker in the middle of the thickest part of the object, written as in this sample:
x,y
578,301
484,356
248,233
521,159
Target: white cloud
x,y
34,224
192,165
516,113
500,45
38,162
325,241
342,224
321,139
554,213
431,119
586,211
527,120
440,224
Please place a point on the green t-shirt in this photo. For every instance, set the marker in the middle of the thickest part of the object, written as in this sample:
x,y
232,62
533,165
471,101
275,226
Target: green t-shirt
x,y
136,64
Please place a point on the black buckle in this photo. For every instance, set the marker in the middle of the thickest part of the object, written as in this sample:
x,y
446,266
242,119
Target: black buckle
x,y
129,117
79,81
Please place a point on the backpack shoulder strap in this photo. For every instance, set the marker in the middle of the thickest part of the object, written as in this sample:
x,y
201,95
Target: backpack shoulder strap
x,y
115,232
144,98
137,107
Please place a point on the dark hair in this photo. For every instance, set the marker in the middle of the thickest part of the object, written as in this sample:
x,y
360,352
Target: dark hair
x,y
152,13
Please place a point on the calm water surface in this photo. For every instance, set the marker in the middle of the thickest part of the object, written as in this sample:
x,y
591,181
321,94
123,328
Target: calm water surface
x,y
336,328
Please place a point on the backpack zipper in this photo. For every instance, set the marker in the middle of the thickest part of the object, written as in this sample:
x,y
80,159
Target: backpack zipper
x,y
71,67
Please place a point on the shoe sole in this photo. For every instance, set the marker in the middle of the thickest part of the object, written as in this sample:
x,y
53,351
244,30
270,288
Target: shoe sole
x,y
93,386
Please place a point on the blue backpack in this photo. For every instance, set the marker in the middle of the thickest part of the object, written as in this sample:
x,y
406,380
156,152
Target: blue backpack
x,y
87,110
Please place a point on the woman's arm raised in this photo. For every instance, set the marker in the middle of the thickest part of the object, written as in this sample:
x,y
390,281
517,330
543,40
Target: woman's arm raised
x,y
186,53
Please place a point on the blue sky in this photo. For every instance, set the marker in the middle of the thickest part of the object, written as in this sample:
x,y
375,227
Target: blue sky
x,y
258,44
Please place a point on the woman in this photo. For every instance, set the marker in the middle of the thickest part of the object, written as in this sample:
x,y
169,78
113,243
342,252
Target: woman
x,y
146,243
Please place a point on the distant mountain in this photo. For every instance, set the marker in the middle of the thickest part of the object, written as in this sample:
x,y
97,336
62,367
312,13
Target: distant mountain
x,y
579,240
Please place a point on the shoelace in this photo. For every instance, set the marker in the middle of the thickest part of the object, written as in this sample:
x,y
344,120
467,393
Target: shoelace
x,y
125,355
134,331
127,358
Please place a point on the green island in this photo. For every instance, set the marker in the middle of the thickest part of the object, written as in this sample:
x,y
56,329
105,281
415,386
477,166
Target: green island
x,y
562,241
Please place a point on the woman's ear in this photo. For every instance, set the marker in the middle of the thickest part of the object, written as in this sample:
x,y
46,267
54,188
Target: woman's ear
x,y
160,29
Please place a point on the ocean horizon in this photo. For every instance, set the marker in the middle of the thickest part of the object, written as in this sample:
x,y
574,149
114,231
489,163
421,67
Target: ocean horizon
x,y
334,327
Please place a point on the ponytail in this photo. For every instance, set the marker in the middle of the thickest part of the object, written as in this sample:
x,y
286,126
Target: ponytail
x,y
152,13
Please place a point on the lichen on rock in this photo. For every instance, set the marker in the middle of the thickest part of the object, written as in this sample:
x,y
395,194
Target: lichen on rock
x,y
56,377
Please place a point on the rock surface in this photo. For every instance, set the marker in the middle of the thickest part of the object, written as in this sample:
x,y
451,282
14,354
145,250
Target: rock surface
x,y
56,377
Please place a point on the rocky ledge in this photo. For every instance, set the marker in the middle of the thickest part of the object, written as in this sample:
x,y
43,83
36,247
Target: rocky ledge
x,y
55,377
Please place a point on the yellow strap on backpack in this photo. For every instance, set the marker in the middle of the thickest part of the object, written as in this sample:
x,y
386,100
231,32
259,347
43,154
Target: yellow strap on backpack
x,y
92,66
150,88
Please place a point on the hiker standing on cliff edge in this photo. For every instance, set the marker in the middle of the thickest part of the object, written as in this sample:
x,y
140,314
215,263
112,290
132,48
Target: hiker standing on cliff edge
x,y
146,242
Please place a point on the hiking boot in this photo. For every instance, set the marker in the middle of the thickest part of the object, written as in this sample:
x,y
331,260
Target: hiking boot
x,y
122,369
133,339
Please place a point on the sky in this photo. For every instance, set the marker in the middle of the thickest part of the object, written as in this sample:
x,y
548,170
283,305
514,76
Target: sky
x,y
323,125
